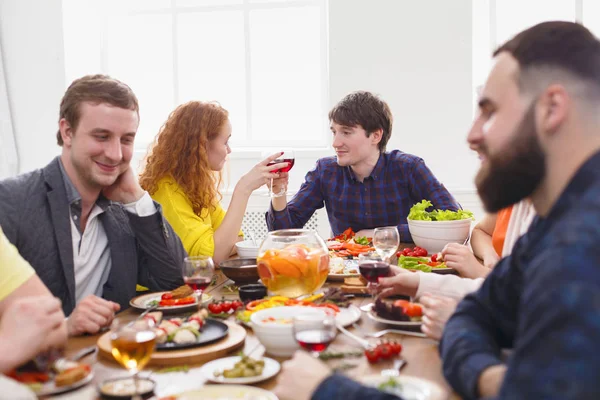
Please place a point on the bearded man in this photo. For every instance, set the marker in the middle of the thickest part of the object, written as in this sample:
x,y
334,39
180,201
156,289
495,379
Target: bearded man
x,y
538,135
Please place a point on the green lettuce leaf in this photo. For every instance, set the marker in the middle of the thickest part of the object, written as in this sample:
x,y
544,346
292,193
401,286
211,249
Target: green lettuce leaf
x,y
419,212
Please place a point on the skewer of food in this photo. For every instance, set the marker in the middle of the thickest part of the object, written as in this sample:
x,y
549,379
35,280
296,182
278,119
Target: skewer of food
x,y
177,330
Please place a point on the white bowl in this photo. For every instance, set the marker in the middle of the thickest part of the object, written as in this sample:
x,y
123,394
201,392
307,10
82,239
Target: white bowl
x,y
434,235
278,339
246,248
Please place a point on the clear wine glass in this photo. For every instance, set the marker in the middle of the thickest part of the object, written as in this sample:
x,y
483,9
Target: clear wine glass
x,y
314,332
132,346
198,272
386,241
287,156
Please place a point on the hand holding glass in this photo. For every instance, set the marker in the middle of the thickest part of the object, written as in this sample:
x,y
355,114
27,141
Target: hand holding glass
x,y
372,267
286,156
313,332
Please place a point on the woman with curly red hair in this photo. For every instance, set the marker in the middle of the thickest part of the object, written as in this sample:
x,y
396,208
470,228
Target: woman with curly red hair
x,y
183,173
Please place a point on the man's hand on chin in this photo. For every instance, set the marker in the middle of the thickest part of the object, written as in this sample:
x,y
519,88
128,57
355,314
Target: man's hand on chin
x,y
90,315
125,190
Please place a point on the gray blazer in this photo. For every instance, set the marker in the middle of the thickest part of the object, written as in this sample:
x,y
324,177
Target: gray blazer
x,y
34,214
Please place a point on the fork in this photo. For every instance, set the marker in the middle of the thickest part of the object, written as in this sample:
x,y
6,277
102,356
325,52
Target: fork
x,y
399,332
395,370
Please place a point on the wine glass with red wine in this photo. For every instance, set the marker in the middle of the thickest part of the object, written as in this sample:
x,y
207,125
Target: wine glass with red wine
x,y
197,273
313,332
372,267
286,156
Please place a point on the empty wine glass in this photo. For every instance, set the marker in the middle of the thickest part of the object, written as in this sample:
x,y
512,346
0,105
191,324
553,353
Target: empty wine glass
x,y
386,241
313,332
132,346
197,273
286,156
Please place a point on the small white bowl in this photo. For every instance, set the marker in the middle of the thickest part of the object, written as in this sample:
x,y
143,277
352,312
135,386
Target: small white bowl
x,y
434,235
246,248
278,339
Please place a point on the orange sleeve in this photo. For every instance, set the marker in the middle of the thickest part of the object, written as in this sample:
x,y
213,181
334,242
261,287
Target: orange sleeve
x,y
500,229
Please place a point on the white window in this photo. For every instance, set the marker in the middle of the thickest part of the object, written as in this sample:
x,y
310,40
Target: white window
x,y
496,21
265,61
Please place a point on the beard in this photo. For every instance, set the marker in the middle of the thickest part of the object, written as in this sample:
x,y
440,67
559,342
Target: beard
x,y
516,171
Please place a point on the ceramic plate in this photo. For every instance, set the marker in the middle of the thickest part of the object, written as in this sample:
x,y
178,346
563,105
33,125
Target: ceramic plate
x,y
350,269
141,303
212,331
229,392
371,314
49,388
271,369
407,387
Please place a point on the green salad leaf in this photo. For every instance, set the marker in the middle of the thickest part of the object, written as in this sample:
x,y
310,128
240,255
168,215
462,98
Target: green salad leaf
x,y
361,240
419,212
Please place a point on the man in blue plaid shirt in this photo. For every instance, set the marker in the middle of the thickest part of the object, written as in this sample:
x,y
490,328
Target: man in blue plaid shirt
x,y
363,186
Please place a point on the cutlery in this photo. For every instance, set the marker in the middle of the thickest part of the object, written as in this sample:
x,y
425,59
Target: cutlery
x,y
364,343
395,370
399,332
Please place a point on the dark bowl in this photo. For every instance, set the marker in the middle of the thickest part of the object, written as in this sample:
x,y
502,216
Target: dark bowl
x,y
253,291
240,270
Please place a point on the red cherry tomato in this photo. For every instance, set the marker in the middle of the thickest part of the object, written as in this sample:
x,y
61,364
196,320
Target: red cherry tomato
x,y
372,355
215,308
406,251
166,296
396,347
385,351
225,306
237,304
434,257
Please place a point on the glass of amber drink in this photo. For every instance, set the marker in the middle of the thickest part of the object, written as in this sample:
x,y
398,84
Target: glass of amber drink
x,y
132,346
293,262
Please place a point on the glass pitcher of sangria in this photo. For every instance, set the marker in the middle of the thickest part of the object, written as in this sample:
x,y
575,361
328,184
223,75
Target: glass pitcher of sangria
x,y
293,262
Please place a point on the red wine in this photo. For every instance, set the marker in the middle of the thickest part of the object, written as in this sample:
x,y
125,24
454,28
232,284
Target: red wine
x,y
197,283
284,169
315,340
373,271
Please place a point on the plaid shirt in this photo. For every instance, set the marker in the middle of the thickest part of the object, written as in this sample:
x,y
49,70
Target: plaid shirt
x,y
397,182
543,301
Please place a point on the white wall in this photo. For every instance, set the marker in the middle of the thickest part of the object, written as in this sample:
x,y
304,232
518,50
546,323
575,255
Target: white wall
x,y
32,46
416,54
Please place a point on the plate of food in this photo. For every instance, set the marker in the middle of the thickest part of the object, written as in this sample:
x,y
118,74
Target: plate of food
x,y
63,377
405,387
182,333
340,268
418,259
179,300
240,369
349,246
399,313
221,392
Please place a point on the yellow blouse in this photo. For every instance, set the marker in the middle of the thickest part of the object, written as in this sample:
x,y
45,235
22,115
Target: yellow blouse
x,y
14,270
195,231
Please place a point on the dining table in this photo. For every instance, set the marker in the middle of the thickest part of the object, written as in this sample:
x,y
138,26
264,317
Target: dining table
x,y
421,355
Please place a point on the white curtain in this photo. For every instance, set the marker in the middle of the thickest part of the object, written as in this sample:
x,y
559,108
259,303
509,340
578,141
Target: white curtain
x,y
9,157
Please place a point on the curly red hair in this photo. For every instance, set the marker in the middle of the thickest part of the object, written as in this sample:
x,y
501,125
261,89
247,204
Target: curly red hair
x,y
180,151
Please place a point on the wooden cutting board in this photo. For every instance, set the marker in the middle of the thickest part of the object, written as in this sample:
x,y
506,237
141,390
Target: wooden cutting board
x,y
195,355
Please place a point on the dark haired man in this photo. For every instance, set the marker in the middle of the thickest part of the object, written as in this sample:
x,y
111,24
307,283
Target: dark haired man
x,y
83,222
364,186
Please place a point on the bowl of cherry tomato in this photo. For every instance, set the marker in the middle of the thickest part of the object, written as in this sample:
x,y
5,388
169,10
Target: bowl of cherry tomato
x,y
240,270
